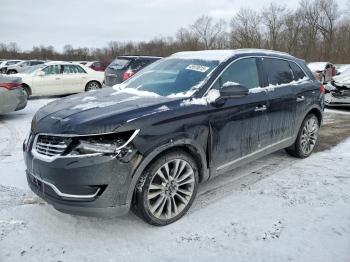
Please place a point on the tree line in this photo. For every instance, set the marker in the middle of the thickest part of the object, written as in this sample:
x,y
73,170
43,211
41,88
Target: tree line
x,y
317,30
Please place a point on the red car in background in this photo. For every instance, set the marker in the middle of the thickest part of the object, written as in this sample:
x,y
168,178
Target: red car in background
x,y
97,65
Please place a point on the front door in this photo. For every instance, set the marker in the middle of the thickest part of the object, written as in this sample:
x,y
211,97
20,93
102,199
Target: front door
x,y
238,124
50,83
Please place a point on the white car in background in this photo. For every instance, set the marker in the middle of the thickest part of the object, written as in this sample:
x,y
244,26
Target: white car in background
x,y
60,78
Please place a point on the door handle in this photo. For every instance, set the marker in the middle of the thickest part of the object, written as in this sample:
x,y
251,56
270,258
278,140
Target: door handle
x,y
300,98
260,108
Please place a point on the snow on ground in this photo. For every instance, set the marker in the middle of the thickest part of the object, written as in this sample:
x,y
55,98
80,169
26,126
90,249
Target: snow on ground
x,y
277,208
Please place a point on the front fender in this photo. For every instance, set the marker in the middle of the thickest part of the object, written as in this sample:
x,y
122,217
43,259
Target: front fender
x,y
184,142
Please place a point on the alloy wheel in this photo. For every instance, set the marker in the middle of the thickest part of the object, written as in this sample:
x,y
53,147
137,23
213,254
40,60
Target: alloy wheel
x,y
171,189
309,136
93,86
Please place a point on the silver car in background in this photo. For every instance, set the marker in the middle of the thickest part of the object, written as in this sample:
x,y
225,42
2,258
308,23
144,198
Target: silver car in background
x,y
12,95
21,66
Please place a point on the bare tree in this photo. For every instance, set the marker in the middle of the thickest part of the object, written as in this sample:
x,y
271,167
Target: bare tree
x,y
273,18
207,31
246,29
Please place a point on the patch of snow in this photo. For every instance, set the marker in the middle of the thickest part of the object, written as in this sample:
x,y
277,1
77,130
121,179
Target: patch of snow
x,y
317,66
271,88
136,92
163,108
194,101
88,98
213,95
230,83
90,105
222,55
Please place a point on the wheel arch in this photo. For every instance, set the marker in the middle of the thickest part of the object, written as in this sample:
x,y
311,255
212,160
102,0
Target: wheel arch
x,y
186,145
317,112
26,86
93,80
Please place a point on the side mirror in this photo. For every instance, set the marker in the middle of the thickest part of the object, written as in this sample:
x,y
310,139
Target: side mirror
x,y
40,73
232,90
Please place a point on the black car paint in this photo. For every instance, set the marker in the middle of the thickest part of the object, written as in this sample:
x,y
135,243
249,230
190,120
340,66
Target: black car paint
x,y
220,136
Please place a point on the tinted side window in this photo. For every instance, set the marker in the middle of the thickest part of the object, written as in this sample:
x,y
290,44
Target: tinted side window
x,y
79,69
36,62
52,70
138,64
244,72
278,71
297,71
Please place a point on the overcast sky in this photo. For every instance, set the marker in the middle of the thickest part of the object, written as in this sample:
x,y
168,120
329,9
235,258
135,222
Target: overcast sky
x,y
93,23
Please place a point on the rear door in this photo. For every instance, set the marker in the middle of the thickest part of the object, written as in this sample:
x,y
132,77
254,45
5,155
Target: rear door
x,y
281,99
238,125
306,92
72,79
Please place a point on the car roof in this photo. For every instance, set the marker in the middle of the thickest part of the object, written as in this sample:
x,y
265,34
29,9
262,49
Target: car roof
x,y
135,56
59,63
223,55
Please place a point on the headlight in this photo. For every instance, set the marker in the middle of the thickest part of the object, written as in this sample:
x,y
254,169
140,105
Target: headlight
x,y
104,144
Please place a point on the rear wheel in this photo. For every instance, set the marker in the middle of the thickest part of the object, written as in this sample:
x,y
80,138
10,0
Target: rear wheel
x,y
169,188
93,85
306,139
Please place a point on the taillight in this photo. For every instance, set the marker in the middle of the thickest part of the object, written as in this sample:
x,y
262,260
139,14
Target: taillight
x,y
322,89
127,74
10,86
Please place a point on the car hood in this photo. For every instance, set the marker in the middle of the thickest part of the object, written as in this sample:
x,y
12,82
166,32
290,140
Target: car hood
x,y
99,111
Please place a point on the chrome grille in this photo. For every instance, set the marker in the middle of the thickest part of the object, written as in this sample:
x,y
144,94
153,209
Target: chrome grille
x,y
51,146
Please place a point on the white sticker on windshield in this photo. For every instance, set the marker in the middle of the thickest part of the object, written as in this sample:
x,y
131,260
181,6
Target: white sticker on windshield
x,y
198,68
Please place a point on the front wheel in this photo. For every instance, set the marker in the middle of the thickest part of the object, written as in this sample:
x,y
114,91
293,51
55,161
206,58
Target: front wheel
x,y
167,188
11,72
306,139
93,85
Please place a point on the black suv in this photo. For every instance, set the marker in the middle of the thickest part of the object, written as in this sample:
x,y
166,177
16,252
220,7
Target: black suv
x,y
123,67
150,141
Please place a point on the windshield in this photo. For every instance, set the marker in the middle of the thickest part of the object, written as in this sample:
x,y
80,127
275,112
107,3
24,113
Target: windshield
x,y
31,69
119,63
172,76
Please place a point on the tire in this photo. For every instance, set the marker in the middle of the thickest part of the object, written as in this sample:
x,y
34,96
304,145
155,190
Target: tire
x,y
306,139
163,195
92,85
10,72
26,90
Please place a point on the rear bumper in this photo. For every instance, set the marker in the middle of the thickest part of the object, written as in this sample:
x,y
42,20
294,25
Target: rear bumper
x,y
12,100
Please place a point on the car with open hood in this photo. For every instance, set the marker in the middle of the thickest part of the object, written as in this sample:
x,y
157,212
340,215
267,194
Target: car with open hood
x,y
149,142
338,90
323,71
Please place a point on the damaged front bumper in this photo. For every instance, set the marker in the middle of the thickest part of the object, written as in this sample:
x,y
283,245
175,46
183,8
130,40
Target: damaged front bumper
x,y
337,96
90,185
